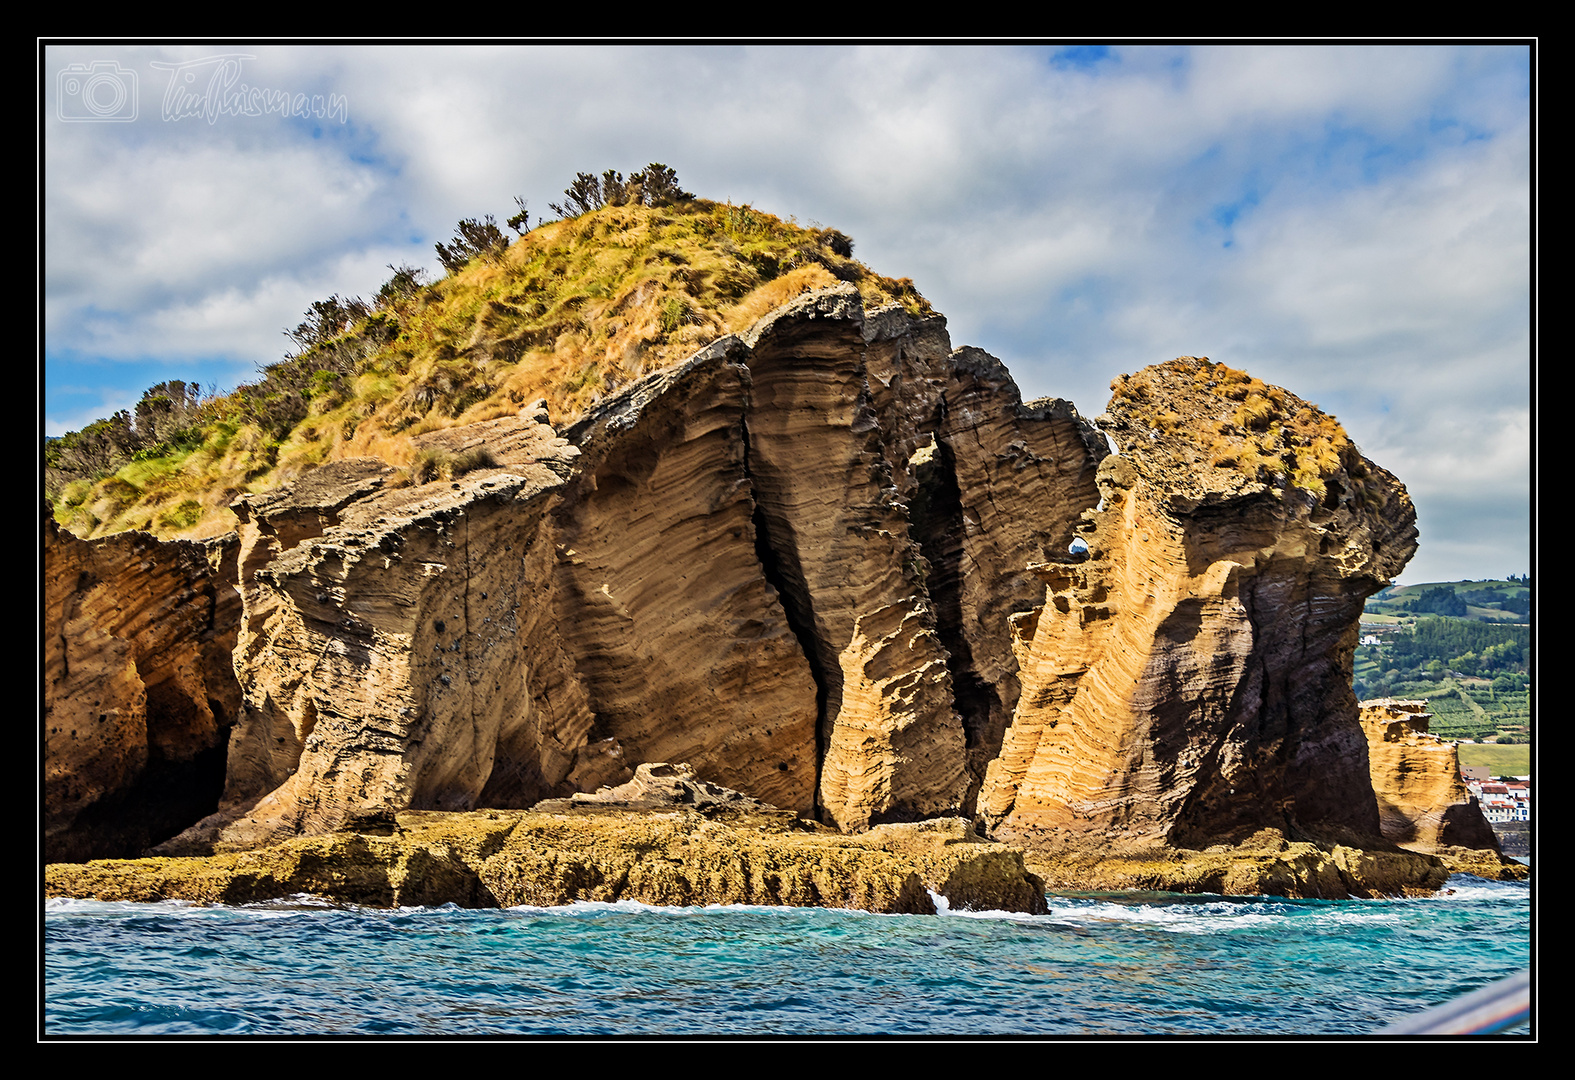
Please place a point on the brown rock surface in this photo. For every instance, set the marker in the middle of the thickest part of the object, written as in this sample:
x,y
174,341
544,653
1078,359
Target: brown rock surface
x,y
1423,804
139,692
680,639
1265,864
502,858
659,784
1003,489
728,568
837,532
827,564
1190,680
398,647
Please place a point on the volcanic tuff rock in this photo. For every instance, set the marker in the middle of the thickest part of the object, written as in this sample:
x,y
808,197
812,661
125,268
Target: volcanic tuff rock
x,y
659,785
505,858
1423,804
396,647
827,563
139,693
1189,680
785,562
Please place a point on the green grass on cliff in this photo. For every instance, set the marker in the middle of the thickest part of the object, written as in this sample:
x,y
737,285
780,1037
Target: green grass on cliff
x,y
569,312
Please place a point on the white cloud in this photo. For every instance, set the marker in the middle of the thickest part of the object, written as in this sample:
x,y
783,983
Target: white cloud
x,y
1075,221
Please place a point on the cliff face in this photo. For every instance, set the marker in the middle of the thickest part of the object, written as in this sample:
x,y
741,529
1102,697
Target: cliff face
x,y
825,563
1423,804
776,562
397,646
1189,680
139,693
679,638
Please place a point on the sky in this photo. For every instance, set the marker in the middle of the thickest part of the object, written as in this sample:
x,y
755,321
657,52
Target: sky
x,y
1350,222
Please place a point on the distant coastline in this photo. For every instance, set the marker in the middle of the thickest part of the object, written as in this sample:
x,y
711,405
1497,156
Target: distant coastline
x,y
1514,837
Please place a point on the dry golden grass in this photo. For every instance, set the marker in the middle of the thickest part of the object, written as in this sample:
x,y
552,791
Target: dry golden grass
x,y
1240,423
773,294
572,311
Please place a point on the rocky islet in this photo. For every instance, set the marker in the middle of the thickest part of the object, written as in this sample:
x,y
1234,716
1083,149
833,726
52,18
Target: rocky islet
x,y
828,563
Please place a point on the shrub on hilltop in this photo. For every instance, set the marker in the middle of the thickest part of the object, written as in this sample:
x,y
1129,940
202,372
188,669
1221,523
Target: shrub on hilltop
x,y
636,276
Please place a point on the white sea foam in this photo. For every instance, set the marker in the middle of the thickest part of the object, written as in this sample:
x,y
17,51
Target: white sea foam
x,y
1223,916
70,905
1469,887
602,907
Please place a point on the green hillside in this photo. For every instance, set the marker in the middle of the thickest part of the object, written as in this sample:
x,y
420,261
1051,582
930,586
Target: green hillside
x,y
1507,601
1500,760
635,276
1464,646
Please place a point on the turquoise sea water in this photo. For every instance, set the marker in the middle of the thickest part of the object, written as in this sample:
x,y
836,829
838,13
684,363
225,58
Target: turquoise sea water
x,y
1110,964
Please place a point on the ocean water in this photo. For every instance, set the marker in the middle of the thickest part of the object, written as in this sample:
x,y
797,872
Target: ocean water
x,y
1098,964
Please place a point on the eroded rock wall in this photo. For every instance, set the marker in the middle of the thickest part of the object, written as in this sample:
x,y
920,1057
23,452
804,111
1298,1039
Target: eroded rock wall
x,y
394,651
828,563
677,634
1003,491
1423,803
139,693
742,566
1189,680
890,741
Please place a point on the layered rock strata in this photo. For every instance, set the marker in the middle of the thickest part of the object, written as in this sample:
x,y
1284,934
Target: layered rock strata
x,y
397,646
835,524
1002,492
828,563
679,638
752,575
1423,804
786,561
1189,680
139,692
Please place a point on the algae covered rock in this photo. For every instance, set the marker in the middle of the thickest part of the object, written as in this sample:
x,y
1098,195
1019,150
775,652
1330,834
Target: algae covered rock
x,y
501,858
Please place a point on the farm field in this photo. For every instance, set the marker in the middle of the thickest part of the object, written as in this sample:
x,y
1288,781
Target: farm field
x,y
1500,760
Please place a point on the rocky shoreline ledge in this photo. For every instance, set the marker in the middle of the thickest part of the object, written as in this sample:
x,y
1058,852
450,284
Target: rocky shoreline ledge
x,y
669,838
666,837
684,856
1268,864
504,858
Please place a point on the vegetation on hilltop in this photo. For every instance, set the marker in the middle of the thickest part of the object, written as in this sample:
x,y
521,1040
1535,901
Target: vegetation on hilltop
x,y
1244,425
636,277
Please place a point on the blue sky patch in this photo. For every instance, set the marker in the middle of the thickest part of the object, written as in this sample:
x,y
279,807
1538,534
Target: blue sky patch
x,y
1082,57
